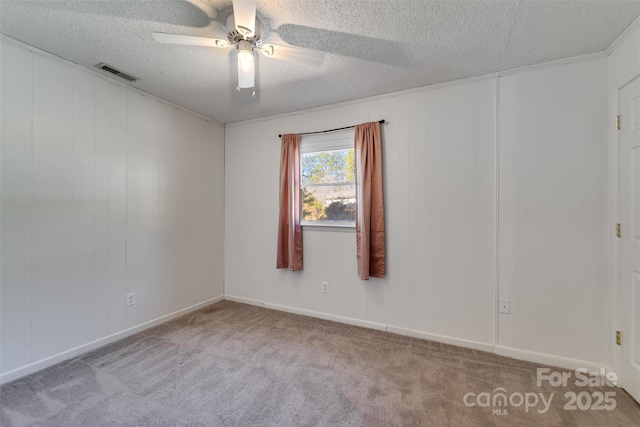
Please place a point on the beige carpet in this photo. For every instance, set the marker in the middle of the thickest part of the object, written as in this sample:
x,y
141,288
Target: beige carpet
x,y
232,364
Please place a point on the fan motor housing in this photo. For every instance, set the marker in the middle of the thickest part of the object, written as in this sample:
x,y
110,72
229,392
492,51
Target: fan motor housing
x,y
234,36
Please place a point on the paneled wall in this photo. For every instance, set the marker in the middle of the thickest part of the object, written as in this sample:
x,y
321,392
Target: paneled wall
x,y
442,179
623,63
439,181
553,210
104,192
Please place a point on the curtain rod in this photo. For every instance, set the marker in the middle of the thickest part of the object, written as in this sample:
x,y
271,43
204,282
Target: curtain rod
x,y
331,130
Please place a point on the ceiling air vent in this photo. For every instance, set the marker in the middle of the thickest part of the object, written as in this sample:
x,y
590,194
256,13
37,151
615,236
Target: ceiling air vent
x,y
109,69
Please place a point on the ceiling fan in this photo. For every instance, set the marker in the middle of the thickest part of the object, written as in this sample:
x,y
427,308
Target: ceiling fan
x,y
245,32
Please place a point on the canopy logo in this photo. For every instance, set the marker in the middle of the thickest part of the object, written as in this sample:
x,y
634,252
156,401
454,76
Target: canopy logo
x,y
499,400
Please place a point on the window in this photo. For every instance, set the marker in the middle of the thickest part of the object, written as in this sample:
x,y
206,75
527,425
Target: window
x,y
328,186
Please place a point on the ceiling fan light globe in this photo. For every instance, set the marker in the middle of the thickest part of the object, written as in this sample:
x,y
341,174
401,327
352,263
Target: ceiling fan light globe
x,y
245,60
245,79
246,69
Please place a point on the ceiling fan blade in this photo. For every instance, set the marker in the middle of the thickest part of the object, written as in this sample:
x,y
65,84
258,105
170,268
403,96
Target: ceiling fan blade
x,y
295,54
244,14
344,44
190,40
181,13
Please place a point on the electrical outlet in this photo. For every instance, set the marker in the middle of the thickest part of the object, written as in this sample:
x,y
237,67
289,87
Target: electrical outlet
x,y
131,298
325,287
505,306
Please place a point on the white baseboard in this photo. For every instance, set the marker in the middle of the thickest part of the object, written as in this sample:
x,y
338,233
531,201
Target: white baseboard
x,y
325,316
476,345
367,324
550,360
244,300
77,351
526,355
529,356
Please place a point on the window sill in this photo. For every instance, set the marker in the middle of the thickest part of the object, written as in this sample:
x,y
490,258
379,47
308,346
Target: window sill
x,y
329,226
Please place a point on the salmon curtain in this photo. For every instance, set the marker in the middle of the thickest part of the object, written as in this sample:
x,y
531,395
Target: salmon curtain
x,y
289,227
370,236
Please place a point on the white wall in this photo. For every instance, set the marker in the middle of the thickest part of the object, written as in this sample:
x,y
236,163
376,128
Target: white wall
x,y
440,199
104,192
439,180
624,61
553,210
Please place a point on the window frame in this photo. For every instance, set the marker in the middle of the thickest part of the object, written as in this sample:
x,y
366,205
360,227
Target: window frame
x,y
316,143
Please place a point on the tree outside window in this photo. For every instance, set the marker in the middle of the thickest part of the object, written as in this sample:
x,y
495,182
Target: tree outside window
x,y
328,186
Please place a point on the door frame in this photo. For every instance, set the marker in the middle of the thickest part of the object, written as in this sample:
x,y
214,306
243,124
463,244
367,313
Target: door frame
x,y
613,217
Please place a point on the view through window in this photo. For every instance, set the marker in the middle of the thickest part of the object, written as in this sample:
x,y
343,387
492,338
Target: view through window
x,y
328,182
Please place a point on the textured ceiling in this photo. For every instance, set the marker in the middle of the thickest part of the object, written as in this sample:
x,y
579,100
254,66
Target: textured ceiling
x,y
372,47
